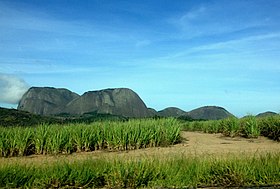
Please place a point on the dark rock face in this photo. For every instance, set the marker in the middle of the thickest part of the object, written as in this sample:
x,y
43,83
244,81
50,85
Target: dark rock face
x,y
46,100
209,113
171,112
152,112
266,114
120,101
52,101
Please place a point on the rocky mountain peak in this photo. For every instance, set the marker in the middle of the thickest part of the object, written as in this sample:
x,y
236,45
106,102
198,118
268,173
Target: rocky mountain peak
x,y
46,100
51,101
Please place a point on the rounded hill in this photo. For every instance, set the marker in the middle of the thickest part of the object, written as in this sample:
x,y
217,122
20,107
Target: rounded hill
x,y
209,113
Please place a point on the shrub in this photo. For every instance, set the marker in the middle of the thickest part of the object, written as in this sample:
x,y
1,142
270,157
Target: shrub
x,y
250,127
230,126
270,127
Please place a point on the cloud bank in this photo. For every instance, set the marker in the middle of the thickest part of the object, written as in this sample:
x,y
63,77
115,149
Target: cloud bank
x,y
11,88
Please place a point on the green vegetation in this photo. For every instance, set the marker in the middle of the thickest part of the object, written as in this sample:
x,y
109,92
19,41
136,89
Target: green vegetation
x,y
123,135
13,117
54,139
270,127
249,126
177,171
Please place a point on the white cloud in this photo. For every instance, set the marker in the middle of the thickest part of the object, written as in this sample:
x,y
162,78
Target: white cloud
x,y
11,88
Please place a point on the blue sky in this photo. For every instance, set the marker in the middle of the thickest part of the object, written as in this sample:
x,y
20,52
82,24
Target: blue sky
x,y
172,53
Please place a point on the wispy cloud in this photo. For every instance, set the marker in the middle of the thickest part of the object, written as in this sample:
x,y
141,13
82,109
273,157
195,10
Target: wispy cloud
x,y
41,31
192,15
195,47
222,17
34,20
11,88
27,32
240,45
44,66
240,57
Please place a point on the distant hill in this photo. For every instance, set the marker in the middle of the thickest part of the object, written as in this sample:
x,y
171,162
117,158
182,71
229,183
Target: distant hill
x,y
266,114
52,101
208,113
171,112
202,113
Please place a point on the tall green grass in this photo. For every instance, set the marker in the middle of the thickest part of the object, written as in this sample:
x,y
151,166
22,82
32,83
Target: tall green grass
x,y
177,171
270,127
249,127
55,139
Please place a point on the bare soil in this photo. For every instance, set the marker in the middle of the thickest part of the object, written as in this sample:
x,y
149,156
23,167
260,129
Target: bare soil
x,y
195,143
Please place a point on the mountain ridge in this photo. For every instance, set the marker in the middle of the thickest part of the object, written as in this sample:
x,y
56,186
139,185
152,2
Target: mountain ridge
x,y
52,101
201,113
115,101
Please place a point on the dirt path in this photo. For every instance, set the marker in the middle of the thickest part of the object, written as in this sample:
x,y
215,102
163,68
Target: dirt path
x,y
195,144
218,144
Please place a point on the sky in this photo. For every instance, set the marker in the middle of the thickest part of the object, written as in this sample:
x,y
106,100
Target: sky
x,y
183,53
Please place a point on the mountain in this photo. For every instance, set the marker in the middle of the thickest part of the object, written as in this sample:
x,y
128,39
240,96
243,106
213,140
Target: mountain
x,y
152,112
266,114
209,113
53,101
171,112
46,100
202,113
119,101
